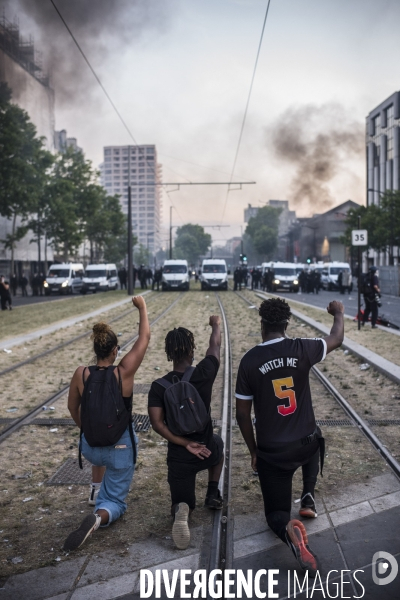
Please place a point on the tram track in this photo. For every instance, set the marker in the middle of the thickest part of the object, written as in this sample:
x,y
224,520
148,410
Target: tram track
x,y
25,419
354,416
61,346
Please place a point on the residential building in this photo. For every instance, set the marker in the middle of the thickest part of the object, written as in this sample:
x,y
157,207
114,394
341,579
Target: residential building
x,y
62,142
250,212
320,237
136,166
21,69
383,159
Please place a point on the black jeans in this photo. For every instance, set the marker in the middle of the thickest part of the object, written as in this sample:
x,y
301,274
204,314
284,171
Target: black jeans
x,y
276,488
370,307
182,476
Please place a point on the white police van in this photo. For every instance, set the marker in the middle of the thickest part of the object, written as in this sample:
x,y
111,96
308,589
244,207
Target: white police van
x,y
214,274
63,278
285,276
175,275
100,278
330,273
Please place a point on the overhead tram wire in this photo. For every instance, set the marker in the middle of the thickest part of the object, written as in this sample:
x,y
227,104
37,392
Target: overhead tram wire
x,y
106,93
247,107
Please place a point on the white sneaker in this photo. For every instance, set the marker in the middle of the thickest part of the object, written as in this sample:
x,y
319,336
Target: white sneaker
x,y
180,528
94,492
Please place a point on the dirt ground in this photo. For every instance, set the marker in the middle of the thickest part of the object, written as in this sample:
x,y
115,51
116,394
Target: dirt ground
x,y
350,457
36,518
35,530
34,316
382,342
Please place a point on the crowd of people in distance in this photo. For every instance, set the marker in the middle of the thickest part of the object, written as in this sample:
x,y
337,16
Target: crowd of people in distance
x,y
179,407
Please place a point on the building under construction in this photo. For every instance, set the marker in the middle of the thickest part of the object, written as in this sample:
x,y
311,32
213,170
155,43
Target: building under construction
x,y
21,69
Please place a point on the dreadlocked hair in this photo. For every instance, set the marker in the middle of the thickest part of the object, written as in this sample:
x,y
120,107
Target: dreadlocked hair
x,y
179,344
275,314
104,340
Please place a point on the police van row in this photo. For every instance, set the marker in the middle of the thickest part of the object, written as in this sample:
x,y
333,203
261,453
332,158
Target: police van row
x,y
213,275
286,275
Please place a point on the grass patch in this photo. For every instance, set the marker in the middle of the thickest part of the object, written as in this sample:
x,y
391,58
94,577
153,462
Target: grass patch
x,y
34,316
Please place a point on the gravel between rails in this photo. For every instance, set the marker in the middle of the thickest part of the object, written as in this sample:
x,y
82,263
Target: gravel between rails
x,y
350,457
36,529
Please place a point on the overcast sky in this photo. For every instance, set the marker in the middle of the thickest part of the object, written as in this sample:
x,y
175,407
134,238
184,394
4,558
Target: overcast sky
x,y
179,72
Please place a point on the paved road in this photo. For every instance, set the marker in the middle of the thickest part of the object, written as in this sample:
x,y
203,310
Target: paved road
x,y
390,304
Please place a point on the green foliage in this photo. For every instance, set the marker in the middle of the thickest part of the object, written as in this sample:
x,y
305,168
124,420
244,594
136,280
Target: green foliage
x,y
263,231
24,166
382,222
191,242
141,256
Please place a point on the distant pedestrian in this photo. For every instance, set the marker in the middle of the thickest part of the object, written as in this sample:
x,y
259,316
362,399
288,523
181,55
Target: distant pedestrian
x,y
5,295
24,283
372,294
237,279
41,280
14,283
157,279
340,282
122,278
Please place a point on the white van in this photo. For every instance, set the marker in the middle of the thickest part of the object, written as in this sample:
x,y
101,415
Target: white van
x,y
64,278
100,278
285,277
330,273
175,275
214,274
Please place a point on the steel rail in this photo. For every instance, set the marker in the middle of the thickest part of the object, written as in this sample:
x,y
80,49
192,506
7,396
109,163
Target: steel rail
x,y
25,419
353,414
220,554
59,347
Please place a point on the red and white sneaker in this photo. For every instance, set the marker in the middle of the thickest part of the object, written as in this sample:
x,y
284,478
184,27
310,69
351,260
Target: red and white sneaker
x,y
297,540
307,507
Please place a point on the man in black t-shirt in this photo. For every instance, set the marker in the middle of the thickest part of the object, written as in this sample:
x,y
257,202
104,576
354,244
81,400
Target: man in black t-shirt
x,y
187,455
275,377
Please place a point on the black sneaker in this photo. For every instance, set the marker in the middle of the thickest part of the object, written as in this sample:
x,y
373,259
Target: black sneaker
x,y
77,537
307,508
214,501
297,540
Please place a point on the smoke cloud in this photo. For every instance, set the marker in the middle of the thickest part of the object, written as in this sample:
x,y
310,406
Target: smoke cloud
x,y
318,141
103,28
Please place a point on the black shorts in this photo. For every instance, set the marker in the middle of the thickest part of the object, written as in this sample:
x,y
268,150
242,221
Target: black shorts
x,y
182,476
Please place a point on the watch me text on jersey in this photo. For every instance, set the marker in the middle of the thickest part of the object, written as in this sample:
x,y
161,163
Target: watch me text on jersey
x,y
233,583
278,363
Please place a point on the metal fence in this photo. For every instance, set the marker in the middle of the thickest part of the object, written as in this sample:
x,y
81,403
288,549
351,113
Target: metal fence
x,y
389,280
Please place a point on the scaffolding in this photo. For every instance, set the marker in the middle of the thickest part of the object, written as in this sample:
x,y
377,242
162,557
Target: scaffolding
x,y
21,50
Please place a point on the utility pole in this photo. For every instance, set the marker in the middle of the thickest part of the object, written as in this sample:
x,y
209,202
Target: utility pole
x,y
130,248
170,232
359,280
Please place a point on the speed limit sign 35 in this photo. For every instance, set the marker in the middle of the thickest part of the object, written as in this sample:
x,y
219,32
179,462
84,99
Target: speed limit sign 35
x,y
359,237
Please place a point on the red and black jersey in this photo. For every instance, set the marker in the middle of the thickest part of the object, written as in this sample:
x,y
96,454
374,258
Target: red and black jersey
x,y
275,376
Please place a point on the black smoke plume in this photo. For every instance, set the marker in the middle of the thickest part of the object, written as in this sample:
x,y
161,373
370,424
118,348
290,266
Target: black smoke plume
x,y
317,141
103,28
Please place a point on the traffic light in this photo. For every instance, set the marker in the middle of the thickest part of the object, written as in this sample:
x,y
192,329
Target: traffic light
x,y
243,258
308,260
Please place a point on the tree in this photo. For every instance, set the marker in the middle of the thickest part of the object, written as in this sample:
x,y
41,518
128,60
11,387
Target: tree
x,y
24,166
191,242
105,225
263,231
141,256
373,220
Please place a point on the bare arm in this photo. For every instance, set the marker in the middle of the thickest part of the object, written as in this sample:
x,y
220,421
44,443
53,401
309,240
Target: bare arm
x,y
74,396
133,359
157,416
214,348
335,338
243,417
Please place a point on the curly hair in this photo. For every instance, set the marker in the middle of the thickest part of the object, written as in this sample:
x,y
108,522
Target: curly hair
x,y
104,340
179,344
275,314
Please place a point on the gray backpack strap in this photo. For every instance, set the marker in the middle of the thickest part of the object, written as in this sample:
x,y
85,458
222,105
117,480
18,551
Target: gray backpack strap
x,y
187,374
164,382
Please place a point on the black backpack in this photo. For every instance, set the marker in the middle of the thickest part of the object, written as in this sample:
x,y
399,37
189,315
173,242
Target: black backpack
x,y
185,411
104,414
366,285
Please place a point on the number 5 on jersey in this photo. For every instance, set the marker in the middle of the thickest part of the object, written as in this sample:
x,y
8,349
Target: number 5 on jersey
x,y
287,394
